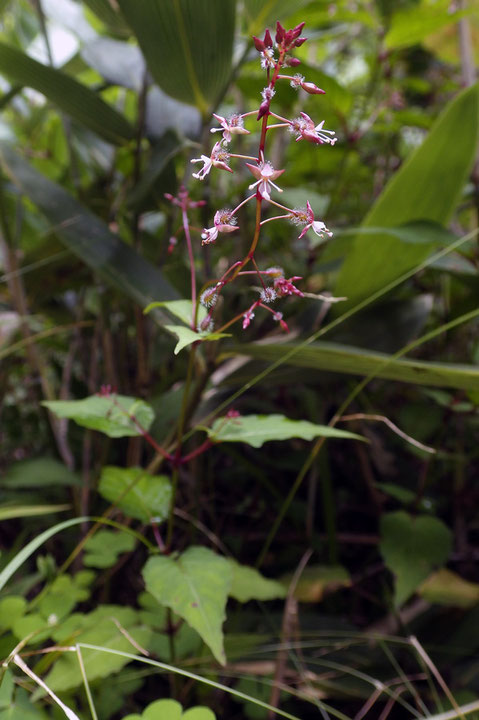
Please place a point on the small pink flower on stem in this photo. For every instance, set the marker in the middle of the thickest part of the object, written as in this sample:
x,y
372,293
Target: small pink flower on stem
x,y
285,287
305,129
223,222
316,226
218,158
249,314
264,174
233,126
278,316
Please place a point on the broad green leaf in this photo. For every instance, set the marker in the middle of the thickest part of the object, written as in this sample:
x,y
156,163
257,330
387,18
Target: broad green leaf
x,y
118,62
181,309
187,44
109,415
64,593
41,472
87,236
249,584
6,689
411,547
186,336
100,627
195,586
315,580
172,710
107,13
258,429
445,587
427,187
11,608
410,25
148,499
21,708
73,98
104,547
356,361
7,512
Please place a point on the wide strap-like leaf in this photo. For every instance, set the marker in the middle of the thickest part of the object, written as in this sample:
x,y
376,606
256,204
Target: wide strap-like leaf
x,y
188,45
427,187
356,361
88,236
73,98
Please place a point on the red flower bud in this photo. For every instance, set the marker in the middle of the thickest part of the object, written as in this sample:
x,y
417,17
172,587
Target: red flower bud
x,y
263,109
299,42
296,31
312,89
280,32
259,44
293,62
268,41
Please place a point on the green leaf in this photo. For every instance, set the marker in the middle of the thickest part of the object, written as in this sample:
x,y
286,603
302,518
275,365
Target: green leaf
x,y
445,587
165,150
103,548
100,627
195,587
41,472
148,499
411,548
260,13
315,580
11,608
63,594
188,45
87,236
105,11
73,98
181,309
7,512
109,415
32,546
249,584
186,336
410,25
172,710
258,429
427,187
356,361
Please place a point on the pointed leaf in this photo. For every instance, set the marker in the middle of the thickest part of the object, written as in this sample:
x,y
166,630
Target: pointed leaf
x,y
427,187
356,361
109,415
186,336
88,236
103,548
196,587
148,499
315,580
249,584
411,548
448,588
258,429
73,98
188,45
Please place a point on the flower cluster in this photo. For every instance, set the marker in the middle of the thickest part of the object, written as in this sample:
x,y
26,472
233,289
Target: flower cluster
x,y
276,55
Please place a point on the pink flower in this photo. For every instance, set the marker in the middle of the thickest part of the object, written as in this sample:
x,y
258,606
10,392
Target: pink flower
x,y
308,218
264,174
233,126
249,315
285,287
304,128
223,222
218,158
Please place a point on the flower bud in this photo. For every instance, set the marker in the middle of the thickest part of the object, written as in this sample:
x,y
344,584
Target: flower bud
x,y
280,32
259,44
296,31
312,89
268,40
299,42
293,62
263,109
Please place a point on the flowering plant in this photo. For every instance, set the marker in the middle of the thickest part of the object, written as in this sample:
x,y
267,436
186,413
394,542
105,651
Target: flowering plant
x,y
275,56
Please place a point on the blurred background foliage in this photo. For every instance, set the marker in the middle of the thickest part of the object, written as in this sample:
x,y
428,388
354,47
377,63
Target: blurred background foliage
x,y
104,103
